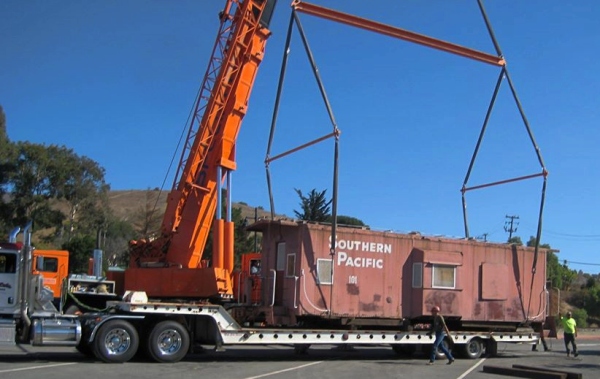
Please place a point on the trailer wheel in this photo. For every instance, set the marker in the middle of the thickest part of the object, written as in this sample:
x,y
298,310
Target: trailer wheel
x,y
168,342
473,349
117,341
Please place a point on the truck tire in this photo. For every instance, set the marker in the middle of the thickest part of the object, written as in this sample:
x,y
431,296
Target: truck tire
x,y
117,341
473,349
168,342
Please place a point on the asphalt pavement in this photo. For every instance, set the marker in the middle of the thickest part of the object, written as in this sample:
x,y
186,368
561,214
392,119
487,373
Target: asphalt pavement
x,y
27,362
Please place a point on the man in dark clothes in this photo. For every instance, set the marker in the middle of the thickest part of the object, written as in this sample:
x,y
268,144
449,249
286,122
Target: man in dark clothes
x,y
438,327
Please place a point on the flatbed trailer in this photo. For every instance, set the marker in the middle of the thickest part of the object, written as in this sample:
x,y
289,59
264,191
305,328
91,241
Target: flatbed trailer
x,y
174,328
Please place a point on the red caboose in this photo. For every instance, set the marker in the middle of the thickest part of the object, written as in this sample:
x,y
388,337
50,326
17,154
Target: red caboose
x,y
389,279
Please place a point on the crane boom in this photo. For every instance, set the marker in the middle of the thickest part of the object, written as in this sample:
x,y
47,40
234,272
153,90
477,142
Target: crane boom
x,y
207,160
192,203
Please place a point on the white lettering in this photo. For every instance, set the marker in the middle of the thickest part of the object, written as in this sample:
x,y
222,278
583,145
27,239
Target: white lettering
x,y
365,246
348,245
343,259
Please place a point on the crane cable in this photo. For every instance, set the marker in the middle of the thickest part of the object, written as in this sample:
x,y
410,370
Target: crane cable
x,y
536,148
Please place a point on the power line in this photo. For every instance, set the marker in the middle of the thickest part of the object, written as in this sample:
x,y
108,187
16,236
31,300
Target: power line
x,y
572,235
582,263
590,237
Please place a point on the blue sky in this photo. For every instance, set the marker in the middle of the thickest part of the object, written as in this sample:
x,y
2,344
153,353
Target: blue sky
x,y
115,81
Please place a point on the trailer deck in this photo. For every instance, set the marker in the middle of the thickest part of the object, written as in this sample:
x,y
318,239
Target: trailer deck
x,y
231,333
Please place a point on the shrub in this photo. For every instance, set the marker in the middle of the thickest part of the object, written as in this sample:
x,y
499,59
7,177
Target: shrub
x,y
580,316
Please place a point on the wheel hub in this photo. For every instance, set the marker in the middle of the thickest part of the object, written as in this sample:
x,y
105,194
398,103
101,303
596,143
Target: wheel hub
x,y
117,342
169,342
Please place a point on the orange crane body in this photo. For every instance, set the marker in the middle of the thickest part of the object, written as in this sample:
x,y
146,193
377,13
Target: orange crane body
x,y
195,204
172,265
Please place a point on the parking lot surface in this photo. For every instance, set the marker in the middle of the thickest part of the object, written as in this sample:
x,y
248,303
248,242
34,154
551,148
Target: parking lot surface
x,y
27,362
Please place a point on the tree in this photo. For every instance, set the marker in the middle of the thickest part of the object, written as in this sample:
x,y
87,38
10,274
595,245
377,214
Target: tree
x,y
516,240
315,206
347,220
560,275
591,282
554,270
568,276
580,316
7,160
3,135
80,251
113,243
43,179
32,186
147,219
532,241
118,234
81,184
592,300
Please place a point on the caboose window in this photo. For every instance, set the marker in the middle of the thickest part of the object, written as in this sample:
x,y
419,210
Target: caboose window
x,y
324,273
444,276
417,279
290,267
280,256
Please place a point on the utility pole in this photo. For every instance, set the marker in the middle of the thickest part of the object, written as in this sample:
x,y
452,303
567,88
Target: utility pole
x,y
255,238
511,226
485,237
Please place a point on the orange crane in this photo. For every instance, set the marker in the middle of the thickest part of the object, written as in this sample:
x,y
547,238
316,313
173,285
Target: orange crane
x,y
171,265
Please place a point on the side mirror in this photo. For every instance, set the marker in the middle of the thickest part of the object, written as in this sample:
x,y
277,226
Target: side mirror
x,y
39,263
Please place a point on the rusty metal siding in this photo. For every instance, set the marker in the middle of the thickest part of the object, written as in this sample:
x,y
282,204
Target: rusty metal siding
x,y
373,275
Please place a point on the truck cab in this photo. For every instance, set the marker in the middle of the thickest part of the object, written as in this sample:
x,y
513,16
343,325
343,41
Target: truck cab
x,y
27,314
53,266
8,280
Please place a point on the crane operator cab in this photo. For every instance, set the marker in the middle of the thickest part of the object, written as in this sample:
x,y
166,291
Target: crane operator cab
x,y
255,267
